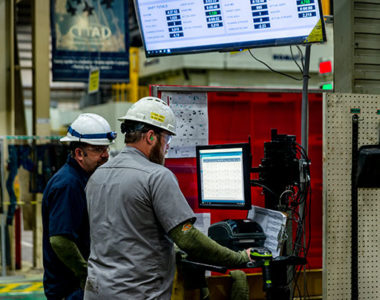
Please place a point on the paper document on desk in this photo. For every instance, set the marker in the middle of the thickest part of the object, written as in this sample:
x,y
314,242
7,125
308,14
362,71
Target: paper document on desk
x,y
203,222
273,223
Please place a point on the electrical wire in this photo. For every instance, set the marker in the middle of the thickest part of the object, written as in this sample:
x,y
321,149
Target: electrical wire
x,y
296,197
295,283
255,183
306,295
271,69
309,241
295,60
308,193
284,193
302,57
300,246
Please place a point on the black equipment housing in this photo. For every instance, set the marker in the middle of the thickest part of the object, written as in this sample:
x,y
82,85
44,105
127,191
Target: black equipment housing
x,y
237,234
368,172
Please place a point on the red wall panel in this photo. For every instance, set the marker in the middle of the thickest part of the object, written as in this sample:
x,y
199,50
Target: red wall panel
x,y
233,117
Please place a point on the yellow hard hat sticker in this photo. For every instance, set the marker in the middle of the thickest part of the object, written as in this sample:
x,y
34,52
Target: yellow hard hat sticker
x,y
157,117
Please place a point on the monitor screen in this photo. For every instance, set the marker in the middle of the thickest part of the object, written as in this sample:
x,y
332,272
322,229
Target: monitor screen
x,y
171,27
224,176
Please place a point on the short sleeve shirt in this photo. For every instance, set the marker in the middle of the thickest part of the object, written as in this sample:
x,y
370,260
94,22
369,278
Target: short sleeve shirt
x,y
64,212
133,203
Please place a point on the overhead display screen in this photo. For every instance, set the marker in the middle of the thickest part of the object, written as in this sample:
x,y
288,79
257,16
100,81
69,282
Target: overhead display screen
x,y
189,26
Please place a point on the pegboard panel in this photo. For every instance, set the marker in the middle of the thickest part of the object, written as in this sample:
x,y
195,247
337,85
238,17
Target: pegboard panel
x,y
337,151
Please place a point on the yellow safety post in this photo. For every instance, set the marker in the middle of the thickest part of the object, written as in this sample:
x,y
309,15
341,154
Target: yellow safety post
x,y
119,91
113,90
124,89
326,7
143,91
116,92
133,86
129,91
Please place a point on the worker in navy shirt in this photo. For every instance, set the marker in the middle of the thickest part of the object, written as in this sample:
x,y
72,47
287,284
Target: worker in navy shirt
x,y
66,239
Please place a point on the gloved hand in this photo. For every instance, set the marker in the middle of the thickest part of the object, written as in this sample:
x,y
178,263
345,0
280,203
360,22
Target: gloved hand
x,y
240,287
68,252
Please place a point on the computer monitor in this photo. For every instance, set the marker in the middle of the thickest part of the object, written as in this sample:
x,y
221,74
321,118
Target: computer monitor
x,y
181,27
224,176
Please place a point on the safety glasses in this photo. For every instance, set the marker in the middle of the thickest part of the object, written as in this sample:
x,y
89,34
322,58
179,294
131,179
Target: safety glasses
x,y
167,138
98,149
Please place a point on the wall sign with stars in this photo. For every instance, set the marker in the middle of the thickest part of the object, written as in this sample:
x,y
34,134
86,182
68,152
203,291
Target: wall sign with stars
x,y
192,122
90,34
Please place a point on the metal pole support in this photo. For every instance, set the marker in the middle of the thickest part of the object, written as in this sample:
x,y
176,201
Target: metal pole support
x,y
354,209
305,101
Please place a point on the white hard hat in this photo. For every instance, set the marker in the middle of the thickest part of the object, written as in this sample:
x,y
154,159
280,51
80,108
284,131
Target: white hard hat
x,y
153,111
91,129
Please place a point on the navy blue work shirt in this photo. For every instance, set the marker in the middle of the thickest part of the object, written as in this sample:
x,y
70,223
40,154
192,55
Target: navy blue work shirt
x,y
64,212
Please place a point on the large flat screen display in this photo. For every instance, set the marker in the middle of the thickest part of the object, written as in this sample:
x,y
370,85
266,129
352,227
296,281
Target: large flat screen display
x,y
224,176
171,27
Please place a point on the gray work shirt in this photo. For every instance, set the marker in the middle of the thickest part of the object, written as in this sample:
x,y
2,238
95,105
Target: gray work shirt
x,y
132,205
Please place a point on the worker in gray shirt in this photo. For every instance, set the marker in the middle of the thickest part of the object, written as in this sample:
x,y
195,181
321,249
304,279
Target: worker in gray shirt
x,y
137,210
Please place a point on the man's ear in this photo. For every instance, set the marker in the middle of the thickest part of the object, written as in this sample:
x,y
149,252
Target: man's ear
x,y
80,153
150,137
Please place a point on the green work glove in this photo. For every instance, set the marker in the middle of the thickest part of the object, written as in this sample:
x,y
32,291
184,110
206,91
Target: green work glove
x,y
68,252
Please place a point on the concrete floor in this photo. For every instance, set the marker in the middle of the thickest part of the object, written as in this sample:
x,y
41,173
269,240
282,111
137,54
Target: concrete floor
x,y
27,282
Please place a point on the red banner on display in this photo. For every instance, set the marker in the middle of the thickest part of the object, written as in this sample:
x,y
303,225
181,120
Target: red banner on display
x,y
233,117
